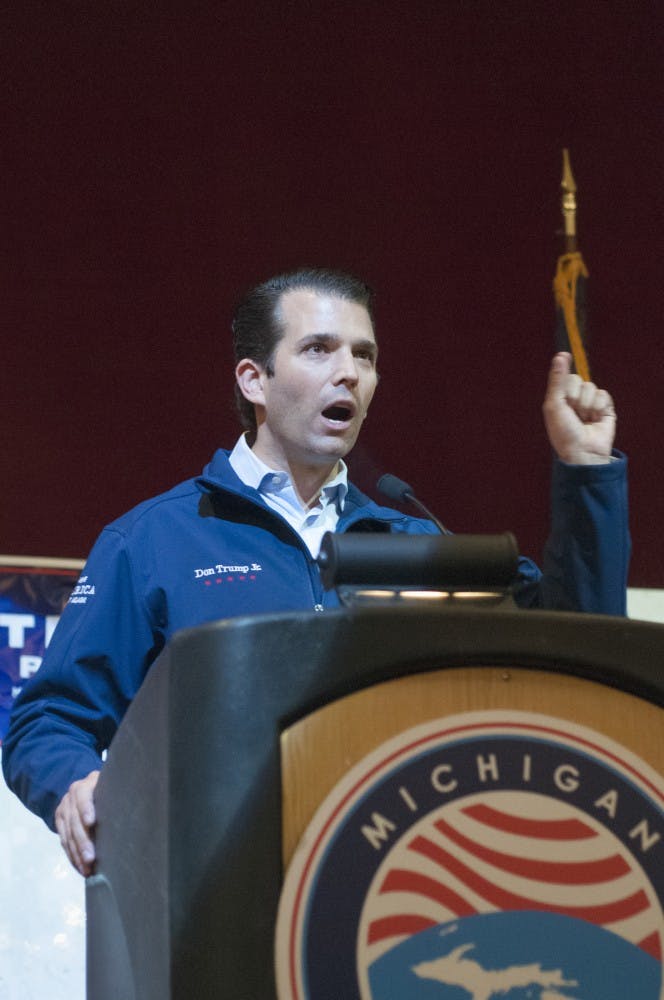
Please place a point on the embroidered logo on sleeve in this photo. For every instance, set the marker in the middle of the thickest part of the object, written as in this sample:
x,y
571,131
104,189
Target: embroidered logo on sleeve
x,y
82,591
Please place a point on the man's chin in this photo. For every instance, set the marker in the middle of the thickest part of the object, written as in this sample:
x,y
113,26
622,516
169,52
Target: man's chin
x,y
331,449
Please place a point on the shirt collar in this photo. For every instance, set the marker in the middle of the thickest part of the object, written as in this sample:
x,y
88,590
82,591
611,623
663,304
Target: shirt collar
x,y
255,473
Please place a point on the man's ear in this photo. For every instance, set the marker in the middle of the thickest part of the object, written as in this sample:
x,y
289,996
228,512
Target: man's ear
x,y
249,376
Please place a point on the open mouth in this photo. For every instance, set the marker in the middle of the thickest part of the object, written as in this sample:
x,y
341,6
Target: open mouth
x,y
340,413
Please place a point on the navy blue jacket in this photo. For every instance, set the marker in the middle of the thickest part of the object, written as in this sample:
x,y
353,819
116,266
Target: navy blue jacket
x,y
210,548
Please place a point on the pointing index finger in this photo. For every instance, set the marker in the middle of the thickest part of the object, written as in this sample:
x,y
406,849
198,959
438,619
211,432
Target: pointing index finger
x,y
560,369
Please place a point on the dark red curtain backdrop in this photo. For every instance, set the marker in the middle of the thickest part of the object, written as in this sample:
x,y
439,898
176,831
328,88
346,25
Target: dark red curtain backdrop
x,y
160,157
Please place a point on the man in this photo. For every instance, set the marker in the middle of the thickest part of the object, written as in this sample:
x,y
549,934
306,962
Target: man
x,y
243,537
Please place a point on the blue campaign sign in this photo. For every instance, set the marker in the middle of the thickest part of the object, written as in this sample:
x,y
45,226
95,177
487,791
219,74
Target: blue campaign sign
x,y
33,593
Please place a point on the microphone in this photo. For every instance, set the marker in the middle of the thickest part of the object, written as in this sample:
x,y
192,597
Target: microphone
x,y
395,489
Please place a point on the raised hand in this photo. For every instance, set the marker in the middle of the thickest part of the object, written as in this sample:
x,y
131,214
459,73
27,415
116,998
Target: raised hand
x,y
580,418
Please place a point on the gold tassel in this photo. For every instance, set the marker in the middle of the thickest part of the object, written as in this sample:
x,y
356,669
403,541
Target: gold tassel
x,y
570,266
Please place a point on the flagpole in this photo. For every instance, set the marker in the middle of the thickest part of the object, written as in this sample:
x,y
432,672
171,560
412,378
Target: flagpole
x,y
570,281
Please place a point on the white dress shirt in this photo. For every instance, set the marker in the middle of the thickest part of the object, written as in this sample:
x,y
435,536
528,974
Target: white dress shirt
x,y
312,521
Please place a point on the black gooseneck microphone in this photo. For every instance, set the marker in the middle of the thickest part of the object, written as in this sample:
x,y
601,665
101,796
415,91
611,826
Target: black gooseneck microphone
x,y
395,489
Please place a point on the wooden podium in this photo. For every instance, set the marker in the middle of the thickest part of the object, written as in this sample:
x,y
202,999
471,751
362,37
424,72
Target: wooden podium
x,y
243,729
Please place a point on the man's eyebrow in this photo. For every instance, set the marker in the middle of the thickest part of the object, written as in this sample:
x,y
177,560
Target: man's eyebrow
x,y
370,346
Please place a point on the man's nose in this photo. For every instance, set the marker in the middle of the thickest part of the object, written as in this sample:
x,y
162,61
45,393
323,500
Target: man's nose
x,y
346,370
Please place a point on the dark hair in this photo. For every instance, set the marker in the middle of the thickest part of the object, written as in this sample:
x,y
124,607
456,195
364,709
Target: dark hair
x,y
257,328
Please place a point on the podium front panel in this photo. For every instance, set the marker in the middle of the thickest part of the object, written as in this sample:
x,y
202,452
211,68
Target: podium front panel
x,y
189,804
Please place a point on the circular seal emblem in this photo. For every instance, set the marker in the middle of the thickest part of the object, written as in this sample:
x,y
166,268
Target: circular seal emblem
x,y
485,855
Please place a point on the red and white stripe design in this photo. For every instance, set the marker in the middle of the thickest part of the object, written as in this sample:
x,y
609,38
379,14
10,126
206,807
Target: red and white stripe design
x,y
507,850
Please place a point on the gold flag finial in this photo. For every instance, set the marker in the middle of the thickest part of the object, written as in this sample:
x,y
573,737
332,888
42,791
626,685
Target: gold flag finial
x,y
569,198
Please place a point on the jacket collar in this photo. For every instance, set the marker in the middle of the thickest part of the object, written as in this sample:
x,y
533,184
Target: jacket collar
x,y
219,476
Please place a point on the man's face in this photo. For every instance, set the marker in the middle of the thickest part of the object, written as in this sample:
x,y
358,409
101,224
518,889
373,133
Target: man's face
x,y
324,378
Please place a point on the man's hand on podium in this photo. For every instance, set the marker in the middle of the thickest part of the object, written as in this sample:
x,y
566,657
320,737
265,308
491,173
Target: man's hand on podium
x,y
75,819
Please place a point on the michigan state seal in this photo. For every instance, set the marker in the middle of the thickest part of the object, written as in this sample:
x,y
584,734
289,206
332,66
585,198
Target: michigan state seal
x,y
494,854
